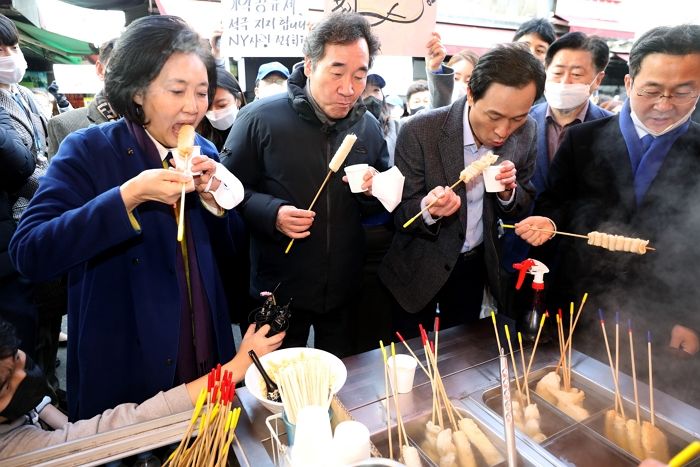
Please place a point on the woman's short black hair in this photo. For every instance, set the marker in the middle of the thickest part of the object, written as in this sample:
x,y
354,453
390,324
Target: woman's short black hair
x,y
9,342
510,65
139,56
8,32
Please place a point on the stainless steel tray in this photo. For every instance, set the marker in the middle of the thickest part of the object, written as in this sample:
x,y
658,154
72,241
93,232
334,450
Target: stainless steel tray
x,y
415,429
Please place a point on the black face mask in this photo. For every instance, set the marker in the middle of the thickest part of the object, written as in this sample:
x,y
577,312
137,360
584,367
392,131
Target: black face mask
x,y
415,110
374,106
29,393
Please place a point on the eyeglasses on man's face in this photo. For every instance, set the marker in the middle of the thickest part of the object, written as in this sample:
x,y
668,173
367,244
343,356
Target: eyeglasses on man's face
x,y
675,98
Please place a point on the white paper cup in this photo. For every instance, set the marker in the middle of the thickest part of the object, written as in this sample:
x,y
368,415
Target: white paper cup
x,y
356,175
405,371
490,183
351,442
180,161
312,438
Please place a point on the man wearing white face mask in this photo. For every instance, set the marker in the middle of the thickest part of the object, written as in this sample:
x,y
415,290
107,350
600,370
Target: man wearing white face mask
x,y
636,174
575,65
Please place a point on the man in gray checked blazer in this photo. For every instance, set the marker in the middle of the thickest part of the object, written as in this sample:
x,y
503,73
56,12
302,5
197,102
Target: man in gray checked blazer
x,y
446,256
98,111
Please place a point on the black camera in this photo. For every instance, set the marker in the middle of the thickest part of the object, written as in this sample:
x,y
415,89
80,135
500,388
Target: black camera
x,y
271,313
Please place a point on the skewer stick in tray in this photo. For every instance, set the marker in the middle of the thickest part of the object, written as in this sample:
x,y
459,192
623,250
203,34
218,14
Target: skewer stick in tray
x,y
333,167
185,146
534,347
471,171
515,367
634,374
522,357
608,241
618,396
569,341
386,391
651,382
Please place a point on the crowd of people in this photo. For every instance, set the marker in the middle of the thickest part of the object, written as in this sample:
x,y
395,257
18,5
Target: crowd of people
x,y
91,202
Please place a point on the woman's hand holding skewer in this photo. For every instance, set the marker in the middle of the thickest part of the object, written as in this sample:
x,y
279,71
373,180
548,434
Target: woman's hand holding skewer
x,y
535,230
294,222
155,185
446,202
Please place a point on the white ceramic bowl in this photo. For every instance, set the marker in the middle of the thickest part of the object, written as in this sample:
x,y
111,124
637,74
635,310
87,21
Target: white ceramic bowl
x,y
255,384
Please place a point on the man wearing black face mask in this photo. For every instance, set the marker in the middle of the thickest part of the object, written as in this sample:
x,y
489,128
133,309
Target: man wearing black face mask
x,y
373,98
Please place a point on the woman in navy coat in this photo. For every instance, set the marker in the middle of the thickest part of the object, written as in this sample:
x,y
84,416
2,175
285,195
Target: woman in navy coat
x,y
146,312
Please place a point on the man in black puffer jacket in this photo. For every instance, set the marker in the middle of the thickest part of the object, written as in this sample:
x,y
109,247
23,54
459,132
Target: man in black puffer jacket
x,y
280,148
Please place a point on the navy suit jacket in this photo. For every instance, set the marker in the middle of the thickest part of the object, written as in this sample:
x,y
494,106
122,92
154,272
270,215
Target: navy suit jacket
x,y
123,293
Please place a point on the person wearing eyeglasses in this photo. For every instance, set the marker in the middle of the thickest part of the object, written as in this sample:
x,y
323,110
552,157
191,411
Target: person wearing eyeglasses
x,y
635,174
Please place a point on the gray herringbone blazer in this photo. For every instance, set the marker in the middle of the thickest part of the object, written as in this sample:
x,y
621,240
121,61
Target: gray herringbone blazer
x,y
430,153
66,123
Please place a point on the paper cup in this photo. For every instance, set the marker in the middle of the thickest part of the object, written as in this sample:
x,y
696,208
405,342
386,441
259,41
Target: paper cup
x,y
312,438
356,175
351,442
490,183
405,371
180,161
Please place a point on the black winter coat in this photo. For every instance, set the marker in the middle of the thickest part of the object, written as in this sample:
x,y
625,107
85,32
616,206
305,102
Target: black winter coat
x,y
280,150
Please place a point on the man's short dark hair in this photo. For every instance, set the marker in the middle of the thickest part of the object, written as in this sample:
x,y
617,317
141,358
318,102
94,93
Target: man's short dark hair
x,y
539,26
339,29
417,86
600,53
139,56
507,64
8,31
9,343
671,40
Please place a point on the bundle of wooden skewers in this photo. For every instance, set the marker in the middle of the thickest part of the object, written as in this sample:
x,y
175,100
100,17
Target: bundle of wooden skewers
x,y
453,445
215,425
643,439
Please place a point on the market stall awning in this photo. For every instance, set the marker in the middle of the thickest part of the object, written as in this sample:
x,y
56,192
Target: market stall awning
x,y
53,47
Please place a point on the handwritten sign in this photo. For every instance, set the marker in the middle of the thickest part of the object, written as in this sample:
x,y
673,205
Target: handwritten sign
x,y
263,28
403,26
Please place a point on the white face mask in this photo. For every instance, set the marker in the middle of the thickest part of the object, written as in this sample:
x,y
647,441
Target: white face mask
x,y
222,119
565,96
638,123
12,68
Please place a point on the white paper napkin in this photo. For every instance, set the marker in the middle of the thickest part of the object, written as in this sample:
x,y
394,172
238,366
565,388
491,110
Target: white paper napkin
x,y
387,187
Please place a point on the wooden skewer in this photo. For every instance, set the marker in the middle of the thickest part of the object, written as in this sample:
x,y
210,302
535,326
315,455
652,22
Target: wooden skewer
x,y
578,315
534,347
495,328
634,374
403,341
559,232
522,357
515,367
560,335
318,193
181,217
394,390
571,338
617,345
651,381
386,390
618,396
430,205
